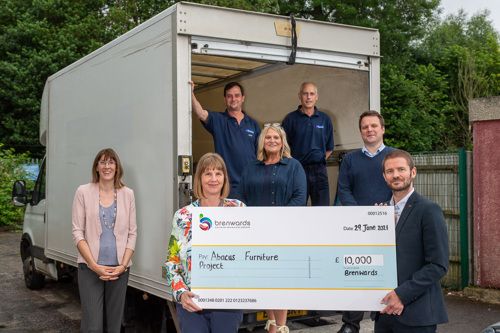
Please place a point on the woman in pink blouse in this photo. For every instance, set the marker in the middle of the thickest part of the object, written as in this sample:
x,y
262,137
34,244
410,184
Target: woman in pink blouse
x,y
104,231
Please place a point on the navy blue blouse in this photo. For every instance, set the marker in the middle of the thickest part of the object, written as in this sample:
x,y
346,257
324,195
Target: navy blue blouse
x,y
288,185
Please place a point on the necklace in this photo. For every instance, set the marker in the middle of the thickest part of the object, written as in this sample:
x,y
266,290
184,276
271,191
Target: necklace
x,y
221,203
104,216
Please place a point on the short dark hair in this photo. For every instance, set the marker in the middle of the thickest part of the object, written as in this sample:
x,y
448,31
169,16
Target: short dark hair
x,y
232,85
109,154
399,153
372,113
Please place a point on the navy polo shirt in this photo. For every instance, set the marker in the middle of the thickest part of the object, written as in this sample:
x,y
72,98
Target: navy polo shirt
x,y
309,137
236,143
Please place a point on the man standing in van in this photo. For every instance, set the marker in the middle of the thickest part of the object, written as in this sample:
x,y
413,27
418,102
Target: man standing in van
x,y
310,135
235,134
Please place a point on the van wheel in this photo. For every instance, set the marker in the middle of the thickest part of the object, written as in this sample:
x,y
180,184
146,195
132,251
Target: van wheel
x,y
32,278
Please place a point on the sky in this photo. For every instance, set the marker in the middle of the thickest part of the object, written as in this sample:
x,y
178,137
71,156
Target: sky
x,y
473,6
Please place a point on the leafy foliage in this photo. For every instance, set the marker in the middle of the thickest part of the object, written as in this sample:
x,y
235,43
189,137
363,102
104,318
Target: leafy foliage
x,y
412,106
37,38
431,68
399,22
40,37
263,6
10,172
467,52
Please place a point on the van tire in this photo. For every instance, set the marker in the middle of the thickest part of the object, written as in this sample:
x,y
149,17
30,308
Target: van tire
x,y
32,278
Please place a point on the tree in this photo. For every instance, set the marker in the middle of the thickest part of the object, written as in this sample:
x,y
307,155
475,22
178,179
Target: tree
x,y
399,22
412,106
467,52
475,79
40,37
37,38
263,6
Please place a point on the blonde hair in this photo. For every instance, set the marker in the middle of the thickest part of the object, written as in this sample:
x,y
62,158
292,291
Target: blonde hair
x,y
210,161
285,148
109,154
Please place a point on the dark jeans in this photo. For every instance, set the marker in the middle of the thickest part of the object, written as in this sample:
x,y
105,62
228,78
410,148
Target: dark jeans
x,y
209,321
391,324
317,184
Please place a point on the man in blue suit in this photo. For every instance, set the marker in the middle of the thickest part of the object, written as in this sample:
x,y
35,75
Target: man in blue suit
x,y
417,304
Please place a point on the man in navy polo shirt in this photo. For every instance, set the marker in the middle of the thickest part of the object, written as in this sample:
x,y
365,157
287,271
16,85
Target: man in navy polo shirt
x,y
235,134
310,135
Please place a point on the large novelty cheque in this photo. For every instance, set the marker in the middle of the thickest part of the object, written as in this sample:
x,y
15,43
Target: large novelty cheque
x,y
311,258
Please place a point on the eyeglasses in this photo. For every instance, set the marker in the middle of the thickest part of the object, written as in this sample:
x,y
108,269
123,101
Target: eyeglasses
x,y
103,163
272,124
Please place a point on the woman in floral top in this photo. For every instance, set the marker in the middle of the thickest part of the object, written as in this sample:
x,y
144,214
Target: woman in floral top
x,y
211,186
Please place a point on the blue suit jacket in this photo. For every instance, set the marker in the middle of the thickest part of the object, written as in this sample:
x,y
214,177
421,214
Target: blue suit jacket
x,y
422,260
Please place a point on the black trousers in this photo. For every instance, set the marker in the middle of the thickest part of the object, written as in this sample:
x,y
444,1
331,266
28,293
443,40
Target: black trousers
x,y
353,318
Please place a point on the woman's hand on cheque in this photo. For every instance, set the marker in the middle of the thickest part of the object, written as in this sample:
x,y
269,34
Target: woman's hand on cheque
x,y
187,302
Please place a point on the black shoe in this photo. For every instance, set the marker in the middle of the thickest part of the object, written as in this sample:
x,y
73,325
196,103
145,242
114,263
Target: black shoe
x,y
347,329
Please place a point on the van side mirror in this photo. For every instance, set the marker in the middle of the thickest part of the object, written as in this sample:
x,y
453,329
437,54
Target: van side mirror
x,y
19,194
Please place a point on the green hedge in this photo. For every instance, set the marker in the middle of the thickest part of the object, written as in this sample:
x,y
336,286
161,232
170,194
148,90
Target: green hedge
x,y
9,172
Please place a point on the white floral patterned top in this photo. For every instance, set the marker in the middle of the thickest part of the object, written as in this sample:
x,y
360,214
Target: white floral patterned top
x,y
179,249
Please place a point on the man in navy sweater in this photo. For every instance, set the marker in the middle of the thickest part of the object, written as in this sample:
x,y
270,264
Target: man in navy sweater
x,y
361,182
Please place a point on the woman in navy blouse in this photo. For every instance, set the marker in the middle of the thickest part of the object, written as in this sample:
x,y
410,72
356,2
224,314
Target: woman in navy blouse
x,y
275,179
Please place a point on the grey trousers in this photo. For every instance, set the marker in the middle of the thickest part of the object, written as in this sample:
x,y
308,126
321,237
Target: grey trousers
x,y
101,298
